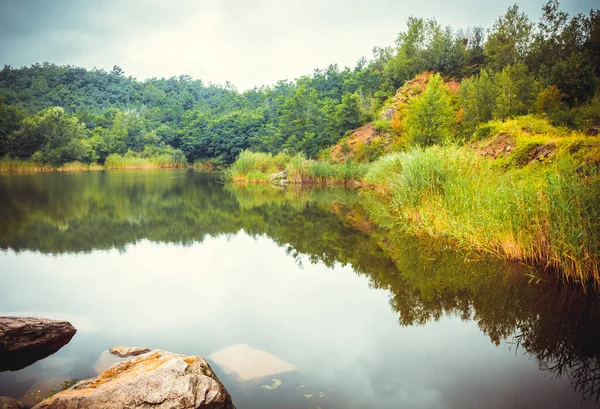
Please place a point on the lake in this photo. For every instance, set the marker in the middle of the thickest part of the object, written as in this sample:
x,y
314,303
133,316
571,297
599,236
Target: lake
x,y
348,315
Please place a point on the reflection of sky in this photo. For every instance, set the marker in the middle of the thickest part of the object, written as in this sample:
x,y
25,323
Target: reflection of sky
x,y
327,322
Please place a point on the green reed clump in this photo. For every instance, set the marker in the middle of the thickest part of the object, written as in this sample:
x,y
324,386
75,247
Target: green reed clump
x,y
573,208
115,161
76,166
8,165
255,167
550,217
257,177
325,172
383,171
297,168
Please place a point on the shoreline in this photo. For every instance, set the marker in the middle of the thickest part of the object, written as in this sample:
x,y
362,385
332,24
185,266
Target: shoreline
x,y
24,168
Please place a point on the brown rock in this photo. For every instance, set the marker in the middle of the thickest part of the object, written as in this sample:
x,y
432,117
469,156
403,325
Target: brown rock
x,y
25,340
125,352
10,403
158,380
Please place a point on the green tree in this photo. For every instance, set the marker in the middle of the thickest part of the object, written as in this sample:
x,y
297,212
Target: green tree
x,y
348,113
576,77
508,40
516,91
477,97
53,137
10,121
430,116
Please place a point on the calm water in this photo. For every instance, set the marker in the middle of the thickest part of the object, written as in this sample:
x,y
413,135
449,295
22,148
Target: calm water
x,y
176,261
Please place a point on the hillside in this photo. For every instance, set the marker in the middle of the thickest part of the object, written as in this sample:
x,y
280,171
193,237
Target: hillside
x,y
385,133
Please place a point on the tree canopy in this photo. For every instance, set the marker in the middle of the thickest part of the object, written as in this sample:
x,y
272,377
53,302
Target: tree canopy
x,y
53,113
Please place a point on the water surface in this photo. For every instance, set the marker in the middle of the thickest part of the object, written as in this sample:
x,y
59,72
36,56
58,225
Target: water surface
x,y
369,319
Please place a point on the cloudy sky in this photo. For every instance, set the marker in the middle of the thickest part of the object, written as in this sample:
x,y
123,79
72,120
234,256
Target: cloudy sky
x,y
246,42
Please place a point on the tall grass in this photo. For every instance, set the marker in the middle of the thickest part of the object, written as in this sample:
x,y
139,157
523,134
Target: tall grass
x,y
347,172
572,204
256,167
116,161
8,165
550,217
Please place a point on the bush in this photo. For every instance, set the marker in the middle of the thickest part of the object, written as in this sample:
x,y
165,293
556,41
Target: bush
x,y
382,125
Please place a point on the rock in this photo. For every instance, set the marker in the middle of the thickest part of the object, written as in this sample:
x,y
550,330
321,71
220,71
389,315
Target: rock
x,y
124,352
280,177
25,340
248,363
593,131
157,380
10,403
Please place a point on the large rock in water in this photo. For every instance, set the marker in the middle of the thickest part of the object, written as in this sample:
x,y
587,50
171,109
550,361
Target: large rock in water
x,y
158,380
25,340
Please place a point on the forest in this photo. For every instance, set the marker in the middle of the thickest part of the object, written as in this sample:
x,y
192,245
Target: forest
x,y
52,115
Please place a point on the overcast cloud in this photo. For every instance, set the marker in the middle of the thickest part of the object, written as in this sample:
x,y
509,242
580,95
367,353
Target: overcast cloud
x,y
247,42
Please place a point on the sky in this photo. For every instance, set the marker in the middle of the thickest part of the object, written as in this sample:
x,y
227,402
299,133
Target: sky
x,y
246,42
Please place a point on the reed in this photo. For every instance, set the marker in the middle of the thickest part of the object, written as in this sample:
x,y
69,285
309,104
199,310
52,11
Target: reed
x,y
115,161
256,167
8,165
550,217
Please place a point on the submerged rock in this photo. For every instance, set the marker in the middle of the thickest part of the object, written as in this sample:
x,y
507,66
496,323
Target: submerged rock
x,y
105,360
279,177
25,340
157,379
10,403
247,363
125,352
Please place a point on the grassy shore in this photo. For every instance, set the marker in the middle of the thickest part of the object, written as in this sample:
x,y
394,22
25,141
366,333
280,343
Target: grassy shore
x,y
523,190
256,167
8,165
25,166
155,162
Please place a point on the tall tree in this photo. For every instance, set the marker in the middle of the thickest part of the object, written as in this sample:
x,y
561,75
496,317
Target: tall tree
x,y
508,40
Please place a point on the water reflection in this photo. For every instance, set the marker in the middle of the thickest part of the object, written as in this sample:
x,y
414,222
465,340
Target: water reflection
x,y
557,324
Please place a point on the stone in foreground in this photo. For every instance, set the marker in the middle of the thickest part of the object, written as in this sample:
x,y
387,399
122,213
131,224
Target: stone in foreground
x,y
10,403
25,340
124,352
158,380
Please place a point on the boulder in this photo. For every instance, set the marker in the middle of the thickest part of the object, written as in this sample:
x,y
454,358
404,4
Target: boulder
x,y
158,380
593,131
279,177
125,352
25,340
10,403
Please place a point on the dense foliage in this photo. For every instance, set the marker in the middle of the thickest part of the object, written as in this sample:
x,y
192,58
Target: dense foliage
x,y
56,114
